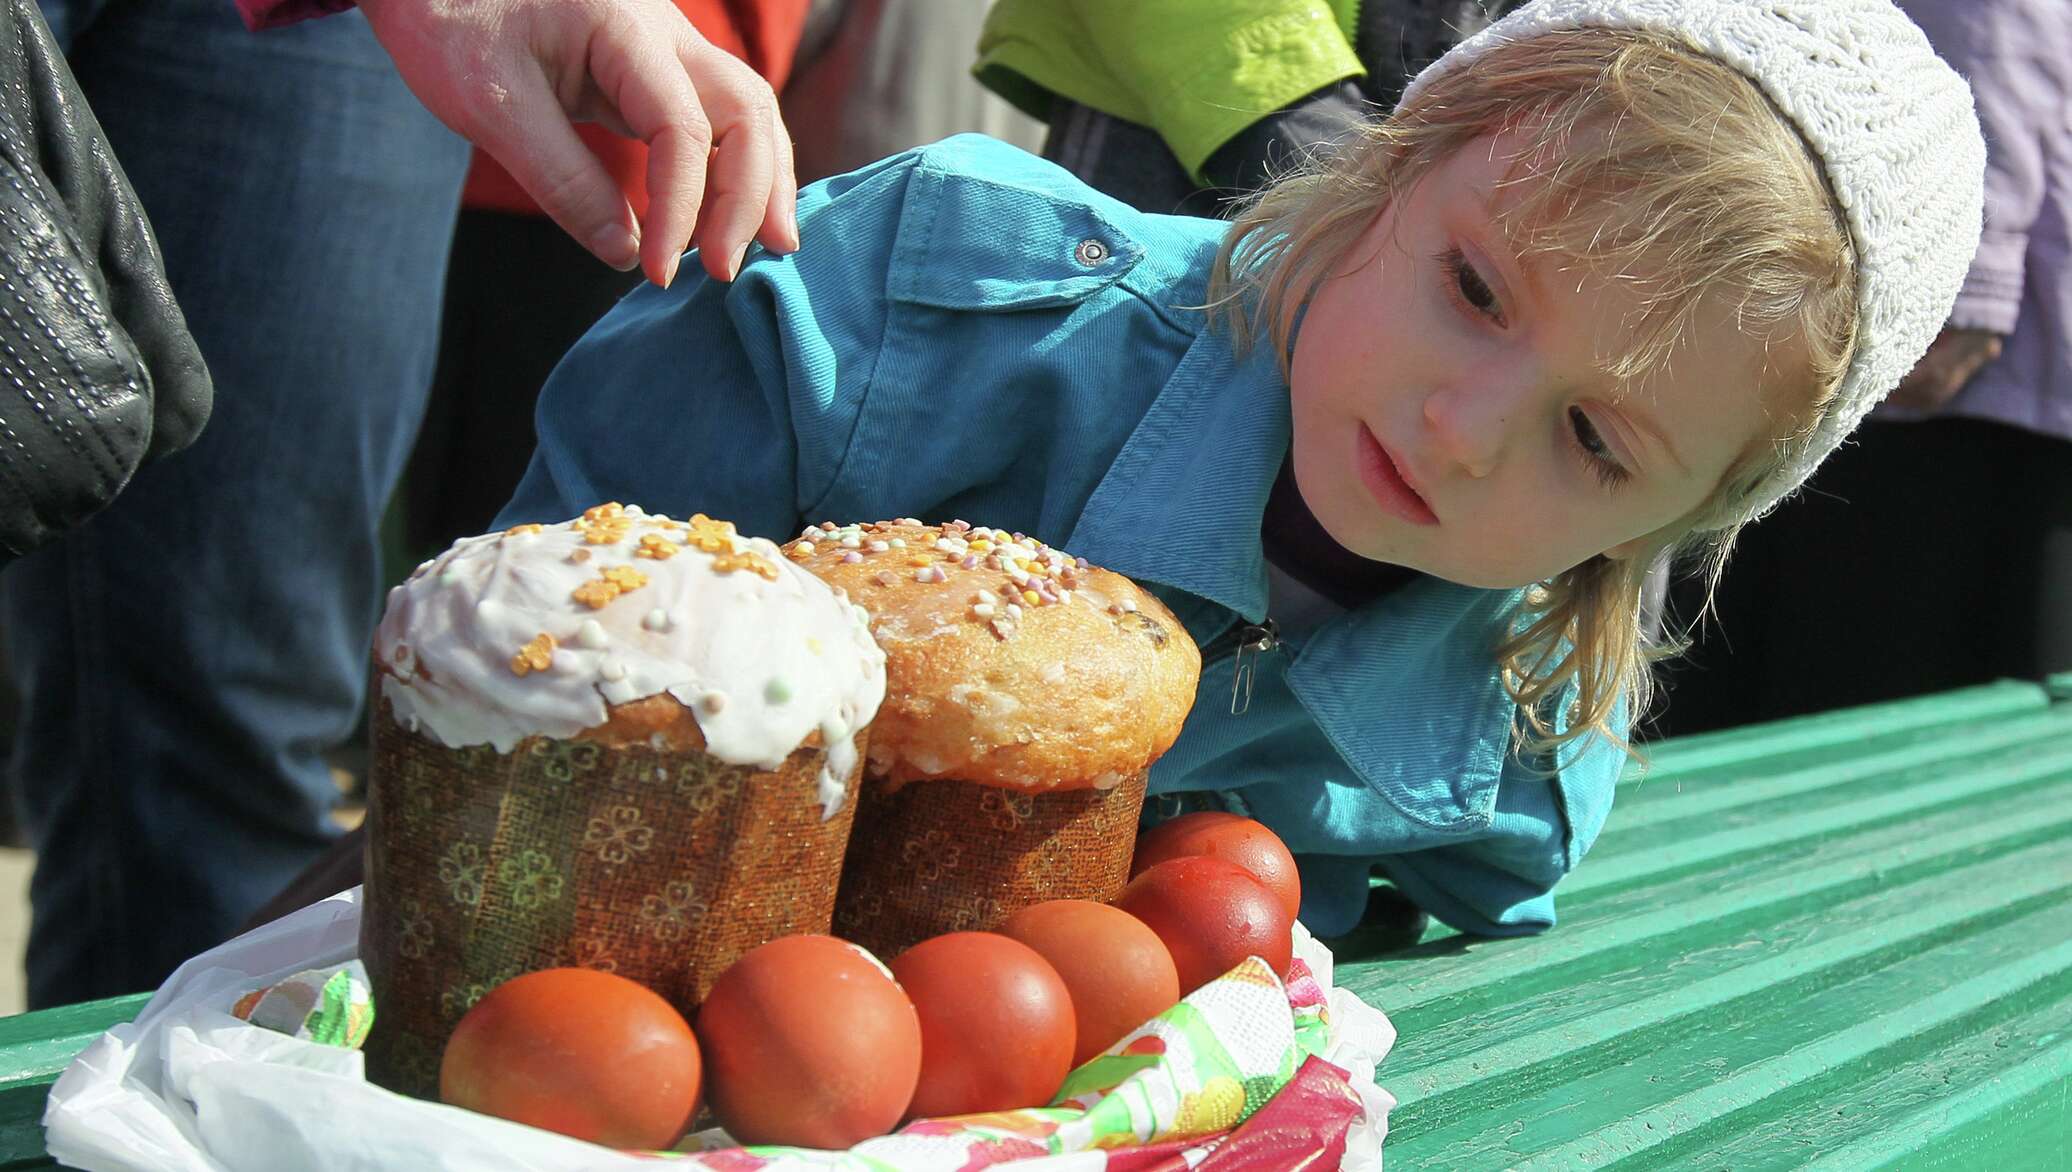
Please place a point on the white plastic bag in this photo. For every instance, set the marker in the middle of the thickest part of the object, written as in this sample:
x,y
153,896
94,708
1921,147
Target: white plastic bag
x,y
186,1087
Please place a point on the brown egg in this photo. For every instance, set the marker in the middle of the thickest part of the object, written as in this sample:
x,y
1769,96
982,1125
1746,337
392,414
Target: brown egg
x,y
1212,914
584,1053
808,1042
996,1024
1119,973
1229,837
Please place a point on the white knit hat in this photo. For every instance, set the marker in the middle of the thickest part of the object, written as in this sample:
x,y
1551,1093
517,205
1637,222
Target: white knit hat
x,y
1894,128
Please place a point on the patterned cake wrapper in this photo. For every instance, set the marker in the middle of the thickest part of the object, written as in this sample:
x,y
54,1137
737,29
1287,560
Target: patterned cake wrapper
x,y
931,857
659,865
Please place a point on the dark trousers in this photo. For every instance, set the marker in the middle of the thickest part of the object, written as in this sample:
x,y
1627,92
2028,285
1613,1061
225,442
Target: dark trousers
x,y
519,293
188,656
1922,556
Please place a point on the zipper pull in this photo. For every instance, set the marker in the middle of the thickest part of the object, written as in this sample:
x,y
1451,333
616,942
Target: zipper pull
x,y
1258,640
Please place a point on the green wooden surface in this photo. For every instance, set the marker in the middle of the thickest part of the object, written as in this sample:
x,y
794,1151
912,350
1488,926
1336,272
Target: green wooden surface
x,y
1840,942
34,1049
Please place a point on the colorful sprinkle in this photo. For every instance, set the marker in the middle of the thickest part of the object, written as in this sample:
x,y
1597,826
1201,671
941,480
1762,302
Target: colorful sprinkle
x,y
624,577
657,547
595,593
711,536
727,563
534,656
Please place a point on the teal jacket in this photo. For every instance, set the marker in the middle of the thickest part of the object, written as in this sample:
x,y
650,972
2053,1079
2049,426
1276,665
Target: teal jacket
x,y
968,331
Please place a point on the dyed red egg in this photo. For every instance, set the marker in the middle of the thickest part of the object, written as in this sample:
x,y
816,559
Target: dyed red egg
x,y
997,1030
584,1053
1116,969
1230,837
809,1042
1211,914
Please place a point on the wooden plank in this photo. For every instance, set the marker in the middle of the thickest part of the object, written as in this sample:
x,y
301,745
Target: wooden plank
x,y
1841,727
1910,921
1669,799
39,1045
1406,981
1815,947
1643,1101
34,1049
1743,830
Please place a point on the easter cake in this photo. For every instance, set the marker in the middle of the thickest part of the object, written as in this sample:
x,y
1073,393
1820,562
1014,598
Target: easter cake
x,y
1027,694
624,742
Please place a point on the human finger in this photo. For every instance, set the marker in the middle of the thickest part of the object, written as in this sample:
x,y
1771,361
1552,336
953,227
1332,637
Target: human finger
x,y
531,135
640,75
742,174
780,228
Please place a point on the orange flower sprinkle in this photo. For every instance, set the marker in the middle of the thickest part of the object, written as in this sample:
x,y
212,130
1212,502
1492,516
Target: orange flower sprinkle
x,y
595,593
656,547
534,656
624,577
605,524
711,536
727,563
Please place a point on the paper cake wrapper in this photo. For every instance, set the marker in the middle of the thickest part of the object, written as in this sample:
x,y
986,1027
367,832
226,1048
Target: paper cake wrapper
x,y
660,865
951,856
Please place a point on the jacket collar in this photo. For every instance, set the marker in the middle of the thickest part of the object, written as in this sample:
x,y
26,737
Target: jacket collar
x,y
1182,503
1407,677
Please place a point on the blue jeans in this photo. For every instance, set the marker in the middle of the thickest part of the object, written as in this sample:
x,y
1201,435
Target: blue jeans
x,y
186,657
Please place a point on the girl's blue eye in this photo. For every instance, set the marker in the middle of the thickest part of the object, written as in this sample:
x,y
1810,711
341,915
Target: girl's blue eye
x,y
1596,453
1468,285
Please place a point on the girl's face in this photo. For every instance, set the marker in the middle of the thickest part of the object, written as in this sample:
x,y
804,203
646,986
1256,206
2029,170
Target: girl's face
x,y
1451,413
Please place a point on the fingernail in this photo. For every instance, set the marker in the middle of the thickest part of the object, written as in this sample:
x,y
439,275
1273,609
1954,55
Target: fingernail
x,y
740,254
669,271
792,231
617,246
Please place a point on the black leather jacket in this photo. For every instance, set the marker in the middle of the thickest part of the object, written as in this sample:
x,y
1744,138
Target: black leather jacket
x,y
97,371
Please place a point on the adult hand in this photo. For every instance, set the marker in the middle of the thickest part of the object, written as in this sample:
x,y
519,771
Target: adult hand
x,y
1954,356
512,76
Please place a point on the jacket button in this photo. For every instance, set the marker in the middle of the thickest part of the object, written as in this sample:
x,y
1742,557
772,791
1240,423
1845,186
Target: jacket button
x,y
1090,252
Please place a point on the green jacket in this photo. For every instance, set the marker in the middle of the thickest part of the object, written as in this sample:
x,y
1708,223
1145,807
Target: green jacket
x,y
1196,71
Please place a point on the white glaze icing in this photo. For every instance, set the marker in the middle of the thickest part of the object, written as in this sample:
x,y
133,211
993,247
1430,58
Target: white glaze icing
x,y
762,662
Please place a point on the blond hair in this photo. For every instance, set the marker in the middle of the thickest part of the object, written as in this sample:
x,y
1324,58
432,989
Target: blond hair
x,y
1652,166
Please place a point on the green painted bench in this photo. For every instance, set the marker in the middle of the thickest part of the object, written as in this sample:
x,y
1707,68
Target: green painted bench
x,y
1842,942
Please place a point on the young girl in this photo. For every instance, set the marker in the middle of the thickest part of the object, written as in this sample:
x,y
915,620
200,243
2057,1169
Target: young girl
x,y
1399,444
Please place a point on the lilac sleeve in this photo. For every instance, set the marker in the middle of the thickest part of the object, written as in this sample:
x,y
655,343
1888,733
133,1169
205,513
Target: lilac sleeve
x,y
2017,54
261,14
